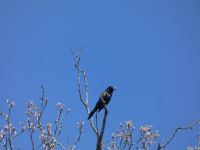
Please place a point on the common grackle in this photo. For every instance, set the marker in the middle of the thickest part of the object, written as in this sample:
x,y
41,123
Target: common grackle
x,y
104,99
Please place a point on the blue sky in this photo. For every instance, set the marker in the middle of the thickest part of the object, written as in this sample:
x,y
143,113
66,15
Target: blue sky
x,y
148,49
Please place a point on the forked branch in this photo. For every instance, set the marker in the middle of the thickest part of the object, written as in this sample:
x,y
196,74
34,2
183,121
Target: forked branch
x,y
83,96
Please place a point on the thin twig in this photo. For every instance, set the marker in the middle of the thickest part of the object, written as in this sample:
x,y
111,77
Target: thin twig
x,y
59,144
191,126
80,132
82,73
18,134
138,141
31,134
131,138
9,136
43,105
42,96
58,121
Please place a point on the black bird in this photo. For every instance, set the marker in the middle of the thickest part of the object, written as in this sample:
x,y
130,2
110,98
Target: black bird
x,y
104,99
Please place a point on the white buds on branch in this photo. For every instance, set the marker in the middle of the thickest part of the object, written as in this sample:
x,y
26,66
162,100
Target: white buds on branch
x,y
48,135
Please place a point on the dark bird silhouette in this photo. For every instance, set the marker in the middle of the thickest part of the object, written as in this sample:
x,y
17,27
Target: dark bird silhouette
x,y
104,99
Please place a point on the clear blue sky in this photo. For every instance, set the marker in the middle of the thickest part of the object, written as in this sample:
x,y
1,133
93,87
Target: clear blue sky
x,y
149,50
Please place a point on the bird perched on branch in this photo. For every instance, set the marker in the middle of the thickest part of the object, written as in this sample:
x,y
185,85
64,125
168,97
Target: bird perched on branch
x,y
104,99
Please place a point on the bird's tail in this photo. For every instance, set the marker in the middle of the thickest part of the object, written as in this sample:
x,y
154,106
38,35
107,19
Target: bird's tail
x,y
91,113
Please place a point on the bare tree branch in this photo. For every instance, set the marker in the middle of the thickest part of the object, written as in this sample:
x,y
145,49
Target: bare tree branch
x,y
57,121
100,137
59,144
43,105
82,74
96,117
30,129
9,128
191,126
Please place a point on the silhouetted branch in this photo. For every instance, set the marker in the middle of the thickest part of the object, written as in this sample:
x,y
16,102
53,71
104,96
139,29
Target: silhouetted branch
x,y
191,126
100,137
60,108
59,144
31,130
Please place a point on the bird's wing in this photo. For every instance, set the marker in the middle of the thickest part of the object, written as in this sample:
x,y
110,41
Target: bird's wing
x,y
106,97
103,96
